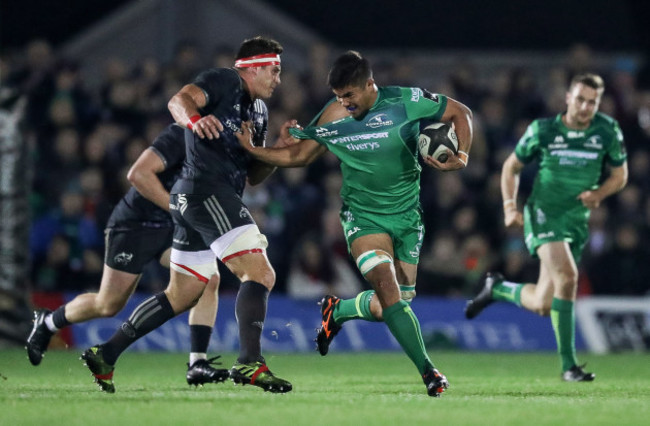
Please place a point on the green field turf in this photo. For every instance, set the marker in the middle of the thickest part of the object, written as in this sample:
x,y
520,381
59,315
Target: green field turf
x,y
340,389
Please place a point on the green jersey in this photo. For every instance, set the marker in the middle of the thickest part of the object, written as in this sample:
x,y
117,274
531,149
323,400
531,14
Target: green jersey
x,y
570,161
378,153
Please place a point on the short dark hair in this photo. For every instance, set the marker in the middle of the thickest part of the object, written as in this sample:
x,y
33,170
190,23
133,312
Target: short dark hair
x,y
349,69
588,79
258,46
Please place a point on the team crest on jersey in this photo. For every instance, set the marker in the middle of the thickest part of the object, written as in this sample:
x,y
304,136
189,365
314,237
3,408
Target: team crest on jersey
x,y
594,142
244,213
379,120
123,258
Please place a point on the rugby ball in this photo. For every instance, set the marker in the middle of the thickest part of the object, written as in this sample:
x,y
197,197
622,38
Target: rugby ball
x,y
435,139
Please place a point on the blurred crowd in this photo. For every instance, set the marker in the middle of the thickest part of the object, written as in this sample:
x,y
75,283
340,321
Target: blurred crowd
x,y
83,140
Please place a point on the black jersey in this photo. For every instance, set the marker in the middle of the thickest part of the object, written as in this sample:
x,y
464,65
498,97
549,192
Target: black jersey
x,y
222,160
134,210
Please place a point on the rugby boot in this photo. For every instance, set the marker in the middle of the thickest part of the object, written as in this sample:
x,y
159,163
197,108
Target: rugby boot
x,y
39,338
436,382
202,371
484,297
258,374
100,369
329,328
577,374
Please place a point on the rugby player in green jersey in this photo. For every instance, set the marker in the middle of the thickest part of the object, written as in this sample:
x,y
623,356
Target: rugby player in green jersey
x,y
374,131
571,150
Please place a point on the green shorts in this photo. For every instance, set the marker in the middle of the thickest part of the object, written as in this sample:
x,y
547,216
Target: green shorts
x,y
405,229
571,226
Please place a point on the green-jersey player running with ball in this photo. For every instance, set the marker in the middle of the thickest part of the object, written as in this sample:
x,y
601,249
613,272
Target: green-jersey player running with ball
x,y
571,150
374,132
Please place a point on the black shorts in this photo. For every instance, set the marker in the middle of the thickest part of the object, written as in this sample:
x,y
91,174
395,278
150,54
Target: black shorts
x,y
130,249
199,220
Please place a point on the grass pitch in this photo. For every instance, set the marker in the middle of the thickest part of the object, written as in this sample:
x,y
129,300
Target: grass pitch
x,y
340,389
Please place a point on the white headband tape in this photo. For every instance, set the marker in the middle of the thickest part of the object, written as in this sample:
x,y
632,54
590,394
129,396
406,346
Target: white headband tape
x,y
258,61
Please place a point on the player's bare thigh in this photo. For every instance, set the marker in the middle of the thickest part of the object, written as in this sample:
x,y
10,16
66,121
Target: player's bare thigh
x,y
372,242
383,276
538,297
183,291
243,251
557,258
116,287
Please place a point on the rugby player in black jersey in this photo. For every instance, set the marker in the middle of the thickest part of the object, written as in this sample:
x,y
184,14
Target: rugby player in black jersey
x,y
209,216
139,230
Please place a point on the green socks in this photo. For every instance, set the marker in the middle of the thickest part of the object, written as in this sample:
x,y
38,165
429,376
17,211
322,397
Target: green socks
x,y
507,291
405,327
564,325
562,318
357,308
400,319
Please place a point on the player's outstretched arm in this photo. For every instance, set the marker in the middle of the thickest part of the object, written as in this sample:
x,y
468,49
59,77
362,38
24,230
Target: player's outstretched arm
x,y
294,155
258,170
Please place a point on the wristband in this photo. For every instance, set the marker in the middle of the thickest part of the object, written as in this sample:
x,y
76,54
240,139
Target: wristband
x,y
461,159
193,119
509,204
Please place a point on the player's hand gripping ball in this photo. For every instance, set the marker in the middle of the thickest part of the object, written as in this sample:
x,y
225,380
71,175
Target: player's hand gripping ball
x,y
435,139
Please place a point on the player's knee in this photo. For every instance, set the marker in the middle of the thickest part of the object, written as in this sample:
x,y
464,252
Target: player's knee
x,y
566,284
266,277
193,302
541,307
407,293
568,278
